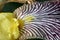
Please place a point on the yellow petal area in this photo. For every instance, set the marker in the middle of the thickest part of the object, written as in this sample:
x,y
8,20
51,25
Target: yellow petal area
x,y
8,27
21,23
28,18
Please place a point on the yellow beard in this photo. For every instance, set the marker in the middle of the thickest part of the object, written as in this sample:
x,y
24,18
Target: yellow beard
x,y
8,27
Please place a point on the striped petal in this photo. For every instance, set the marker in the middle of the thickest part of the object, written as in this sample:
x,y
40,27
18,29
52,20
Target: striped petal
x,y
45,22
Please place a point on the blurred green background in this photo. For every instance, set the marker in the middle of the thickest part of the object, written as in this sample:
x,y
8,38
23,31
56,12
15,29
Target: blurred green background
x,y
10,6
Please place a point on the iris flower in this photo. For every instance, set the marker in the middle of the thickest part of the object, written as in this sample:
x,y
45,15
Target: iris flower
x,y
35,20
